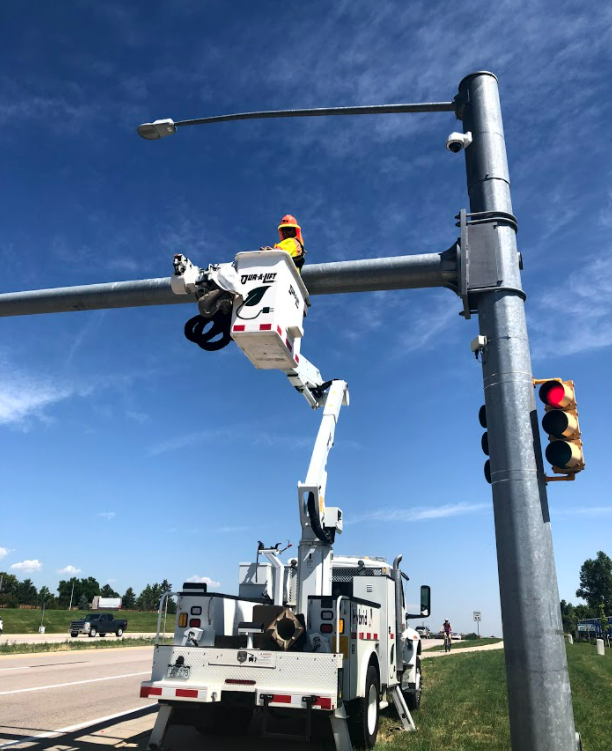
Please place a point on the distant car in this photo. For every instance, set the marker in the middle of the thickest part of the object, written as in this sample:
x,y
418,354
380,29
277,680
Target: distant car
x,y
423,632
1,626
456,636
98,623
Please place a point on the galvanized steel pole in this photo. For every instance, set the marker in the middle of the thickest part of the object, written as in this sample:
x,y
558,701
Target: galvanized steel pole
x,y
541,715
397,272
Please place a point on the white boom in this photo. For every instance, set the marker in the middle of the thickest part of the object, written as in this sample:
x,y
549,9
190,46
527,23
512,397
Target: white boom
x,y
319,523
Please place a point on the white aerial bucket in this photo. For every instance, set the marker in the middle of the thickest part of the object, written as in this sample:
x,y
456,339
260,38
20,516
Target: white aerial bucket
x,y
268,314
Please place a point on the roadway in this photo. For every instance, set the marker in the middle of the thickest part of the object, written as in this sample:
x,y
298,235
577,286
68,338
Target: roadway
x,y
46,692
86,700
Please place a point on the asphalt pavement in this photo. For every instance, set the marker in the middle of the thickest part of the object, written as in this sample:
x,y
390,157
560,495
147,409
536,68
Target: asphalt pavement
x,y
47,692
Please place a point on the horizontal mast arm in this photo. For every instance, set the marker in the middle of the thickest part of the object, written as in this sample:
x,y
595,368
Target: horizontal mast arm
x,y
398,272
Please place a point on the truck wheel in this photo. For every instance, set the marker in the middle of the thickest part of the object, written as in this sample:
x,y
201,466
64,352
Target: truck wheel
x,y
119,632
364,714
74,633
413,697
93,632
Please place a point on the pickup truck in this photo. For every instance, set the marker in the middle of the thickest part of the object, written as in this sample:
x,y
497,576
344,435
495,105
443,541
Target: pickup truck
x,y
98,623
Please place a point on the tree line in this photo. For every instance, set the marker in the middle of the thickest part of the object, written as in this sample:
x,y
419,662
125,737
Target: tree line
x,y
81,592
596,588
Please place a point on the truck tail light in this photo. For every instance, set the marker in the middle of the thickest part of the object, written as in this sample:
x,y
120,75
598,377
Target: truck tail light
x,y
326,628
341,626
182,620
195,623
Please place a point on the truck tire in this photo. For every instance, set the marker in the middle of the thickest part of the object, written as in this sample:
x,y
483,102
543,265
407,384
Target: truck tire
x,y
364,713
119,632
93,632
413,696
74,633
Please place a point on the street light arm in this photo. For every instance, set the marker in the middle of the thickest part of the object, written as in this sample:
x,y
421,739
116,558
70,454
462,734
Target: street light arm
x,y
160,128
376,109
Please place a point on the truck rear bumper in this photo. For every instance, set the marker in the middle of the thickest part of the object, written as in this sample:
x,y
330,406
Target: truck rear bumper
x,y
281,679
278,697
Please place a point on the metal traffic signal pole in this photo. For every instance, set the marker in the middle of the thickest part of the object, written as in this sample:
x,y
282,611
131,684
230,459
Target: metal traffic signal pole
x,y
483,268
541,715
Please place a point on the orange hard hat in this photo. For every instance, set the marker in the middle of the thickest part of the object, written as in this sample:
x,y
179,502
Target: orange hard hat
x,y
290,221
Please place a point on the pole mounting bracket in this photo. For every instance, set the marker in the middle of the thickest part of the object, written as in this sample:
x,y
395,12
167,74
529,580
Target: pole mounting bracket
x,y
479,254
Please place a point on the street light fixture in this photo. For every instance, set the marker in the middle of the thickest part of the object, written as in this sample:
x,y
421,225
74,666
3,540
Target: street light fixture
x,y
157,129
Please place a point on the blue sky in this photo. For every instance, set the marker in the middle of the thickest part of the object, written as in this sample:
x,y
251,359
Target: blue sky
x,y
130,454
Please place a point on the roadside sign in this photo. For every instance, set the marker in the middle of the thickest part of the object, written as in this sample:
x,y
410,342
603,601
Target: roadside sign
x,y
477,615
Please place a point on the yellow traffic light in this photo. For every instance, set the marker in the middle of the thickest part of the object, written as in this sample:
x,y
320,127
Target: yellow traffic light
x,y
560,422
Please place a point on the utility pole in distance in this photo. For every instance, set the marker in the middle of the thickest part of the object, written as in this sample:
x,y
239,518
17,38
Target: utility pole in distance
x,y
539,697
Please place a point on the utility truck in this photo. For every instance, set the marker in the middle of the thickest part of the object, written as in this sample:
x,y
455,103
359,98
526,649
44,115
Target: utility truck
x,y
317,633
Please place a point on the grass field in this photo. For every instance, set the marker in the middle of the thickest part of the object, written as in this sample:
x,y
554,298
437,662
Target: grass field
x,y
73,644
465,707
464,644
18,621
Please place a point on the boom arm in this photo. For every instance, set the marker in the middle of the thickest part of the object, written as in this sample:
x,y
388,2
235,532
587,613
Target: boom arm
x,y
313,516
319,523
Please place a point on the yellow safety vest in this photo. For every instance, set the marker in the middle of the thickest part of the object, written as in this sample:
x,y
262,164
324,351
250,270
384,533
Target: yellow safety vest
x,y
292,246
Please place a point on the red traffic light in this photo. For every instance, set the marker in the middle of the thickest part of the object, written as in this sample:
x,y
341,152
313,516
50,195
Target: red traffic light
x,y
557,394
560,422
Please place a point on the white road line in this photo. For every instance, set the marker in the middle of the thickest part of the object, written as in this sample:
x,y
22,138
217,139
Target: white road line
x,y
72,683
80,726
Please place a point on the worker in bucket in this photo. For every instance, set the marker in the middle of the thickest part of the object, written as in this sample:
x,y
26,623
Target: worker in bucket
x,y
291,240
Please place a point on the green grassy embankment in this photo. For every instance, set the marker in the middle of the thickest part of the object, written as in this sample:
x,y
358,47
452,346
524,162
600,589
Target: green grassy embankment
x,y
464,644
11,648
18,621
465,706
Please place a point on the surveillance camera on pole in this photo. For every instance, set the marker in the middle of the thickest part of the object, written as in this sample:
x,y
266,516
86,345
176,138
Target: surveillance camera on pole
x,y
157,129
456,142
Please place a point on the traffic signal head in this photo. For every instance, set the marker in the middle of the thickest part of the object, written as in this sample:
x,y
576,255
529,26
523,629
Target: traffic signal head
x,y
484,442
564,450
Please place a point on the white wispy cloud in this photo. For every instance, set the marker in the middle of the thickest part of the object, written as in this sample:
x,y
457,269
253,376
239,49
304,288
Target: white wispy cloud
x,y
92,324
418,513
108,515
27,567
203,580
190,439
228,529
594,511
27,397
69,570
3,553
139,417
255,437
24,396
585,298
